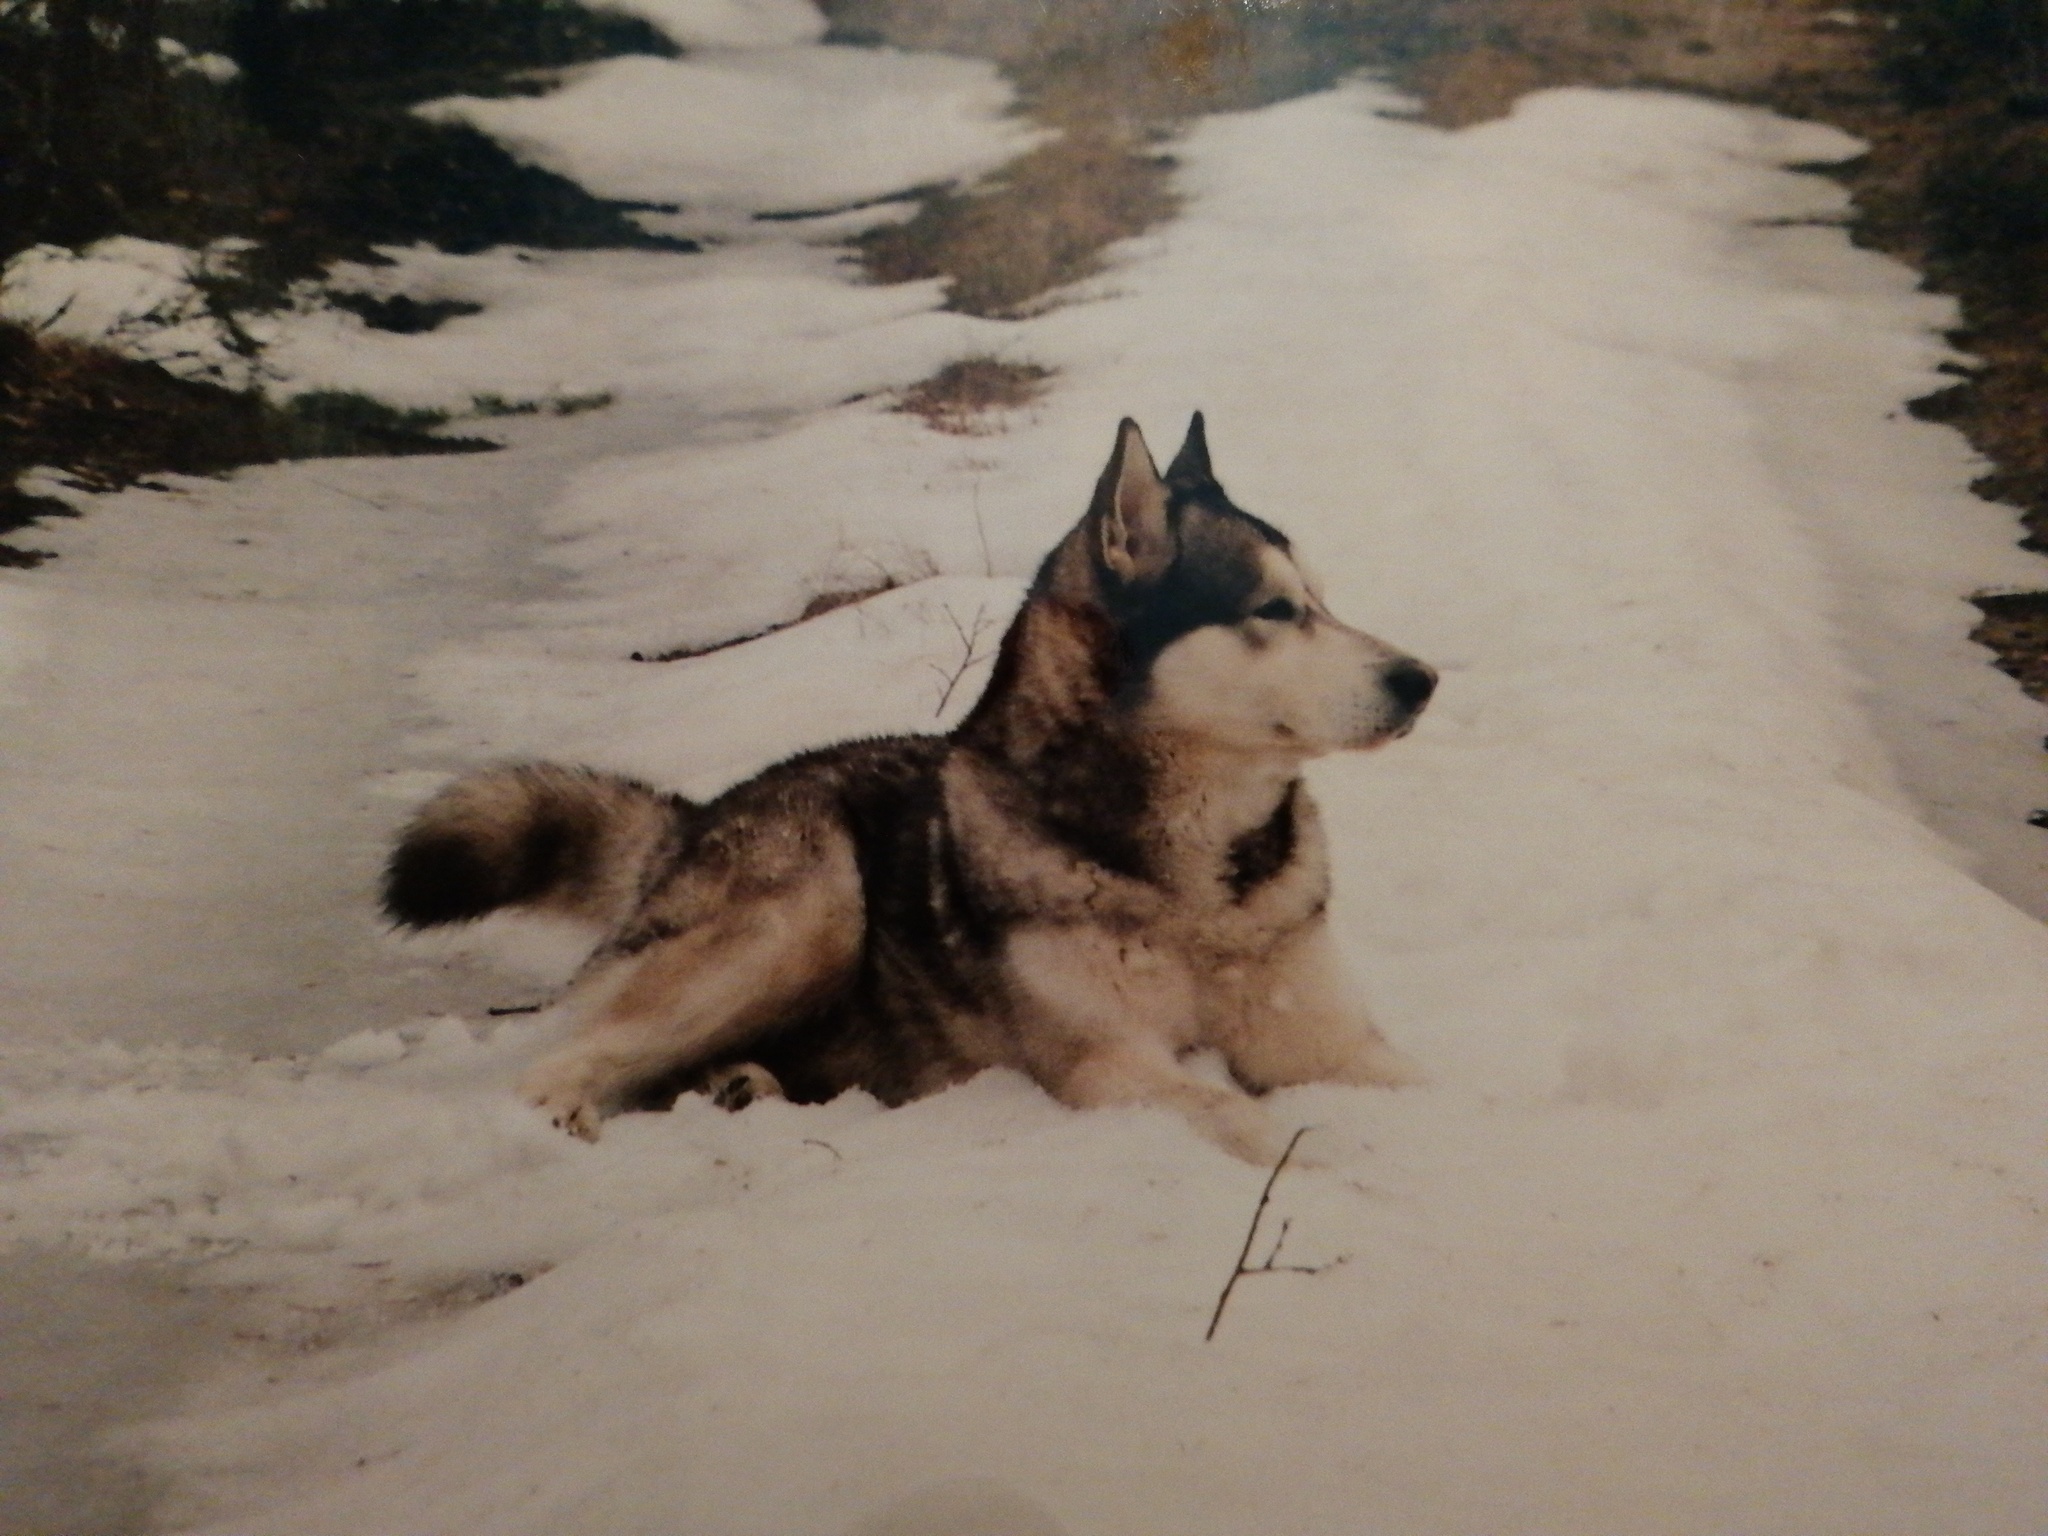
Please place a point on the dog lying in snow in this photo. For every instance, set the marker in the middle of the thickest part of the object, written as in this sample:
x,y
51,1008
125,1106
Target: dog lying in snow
x,y
1110,863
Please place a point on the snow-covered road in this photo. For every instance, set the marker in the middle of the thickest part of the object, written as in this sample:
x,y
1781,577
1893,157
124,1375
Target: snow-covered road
x,y
1725,1207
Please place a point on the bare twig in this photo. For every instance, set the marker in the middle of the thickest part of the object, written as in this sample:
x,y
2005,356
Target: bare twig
x,y
988,561
971,653
1272,1265
360,500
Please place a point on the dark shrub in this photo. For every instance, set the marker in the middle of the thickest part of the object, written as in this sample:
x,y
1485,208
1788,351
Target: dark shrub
x,y
1946,49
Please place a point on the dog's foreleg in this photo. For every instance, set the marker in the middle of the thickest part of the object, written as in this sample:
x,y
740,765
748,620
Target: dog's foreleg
x,y
1295,1022
1101,1020
1144,1073
745,965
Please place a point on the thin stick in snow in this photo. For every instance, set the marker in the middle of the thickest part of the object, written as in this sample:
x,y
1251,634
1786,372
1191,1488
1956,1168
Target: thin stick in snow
x,y
1272,1265
970,653
988,561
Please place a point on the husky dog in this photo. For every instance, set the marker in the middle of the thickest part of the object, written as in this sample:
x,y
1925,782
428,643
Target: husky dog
x,y
1111,863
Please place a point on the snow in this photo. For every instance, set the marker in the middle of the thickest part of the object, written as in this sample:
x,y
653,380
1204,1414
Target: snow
x,y
757,118
142,298
629,323
180,60
1698,892
760,129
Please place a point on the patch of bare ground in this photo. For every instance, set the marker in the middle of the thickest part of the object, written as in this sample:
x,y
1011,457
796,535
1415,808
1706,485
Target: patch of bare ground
x,y
2016,628
962,398
1495,51
1039,224
109,421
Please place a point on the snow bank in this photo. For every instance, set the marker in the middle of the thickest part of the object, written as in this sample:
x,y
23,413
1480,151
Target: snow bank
x,y
141,298
1723,1210
217,68
763,129
769,325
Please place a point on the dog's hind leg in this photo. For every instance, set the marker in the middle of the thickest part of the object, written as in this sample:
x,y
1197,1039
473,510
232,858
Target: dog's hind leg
x,y
741,963
748,1082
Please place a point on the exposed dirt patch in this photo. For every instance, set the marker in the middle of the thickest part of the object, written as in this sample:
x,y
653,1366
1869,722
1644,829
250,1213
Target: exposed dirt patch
x,y
1494,51
962,397
402,314
2016,627
1039,224
108,421
312,150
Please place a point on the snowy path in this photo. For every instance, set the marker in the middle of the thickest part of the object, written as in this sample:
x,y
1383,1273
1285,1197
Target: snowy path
x,y
1724,1210
256,637
192,866
211,709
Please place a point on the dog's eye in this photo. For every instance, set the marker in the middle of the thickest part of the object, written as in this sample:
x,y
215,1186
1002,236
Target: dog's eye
x,y
1278,610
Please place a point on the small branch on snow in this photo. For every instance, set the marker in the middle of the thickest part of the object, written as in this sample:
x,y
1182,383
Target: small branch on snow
x,y
971,653
988,561
59,313
1272,1264
381,506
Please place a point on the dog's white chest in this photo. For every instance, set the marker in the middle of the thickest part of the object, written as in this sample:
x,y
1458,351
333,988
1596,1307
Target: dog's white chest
x,y
1097,988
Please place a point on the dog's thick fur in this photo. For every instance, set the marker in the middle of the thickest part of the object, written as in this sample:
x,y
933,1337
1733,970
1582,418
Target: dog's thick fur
x,y
1112,862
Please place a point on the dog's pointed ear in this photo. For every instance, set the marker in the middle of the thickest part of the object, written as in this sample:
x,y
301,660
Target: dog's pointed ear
x,y
1191,465
1128,517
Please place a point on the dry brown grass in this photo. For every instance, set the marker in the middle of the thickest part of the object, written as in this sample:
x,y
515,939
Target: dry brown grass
x,y
1498,50
1039,224
961,397
1476,85
106,421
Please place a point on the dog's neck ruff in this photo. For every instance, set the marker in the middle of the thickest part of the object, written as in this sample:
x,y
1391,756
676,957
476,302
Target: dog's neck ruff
x,y
1219,820
1168,810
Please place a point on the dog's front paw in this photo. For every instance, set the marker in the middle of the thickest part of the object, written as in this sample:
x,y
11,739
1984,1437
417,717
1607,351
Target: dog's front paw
x,y
563,1094
1241,1127
1376,1064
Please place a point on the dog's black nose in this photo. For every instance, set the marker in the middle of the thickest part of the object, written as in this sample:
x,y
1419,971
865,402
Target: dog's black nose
x,y
1411,684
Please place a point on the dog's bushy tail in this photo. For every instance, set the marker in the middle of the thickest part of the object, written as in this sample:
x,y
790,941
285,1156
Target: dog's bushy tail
x,y
569,841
